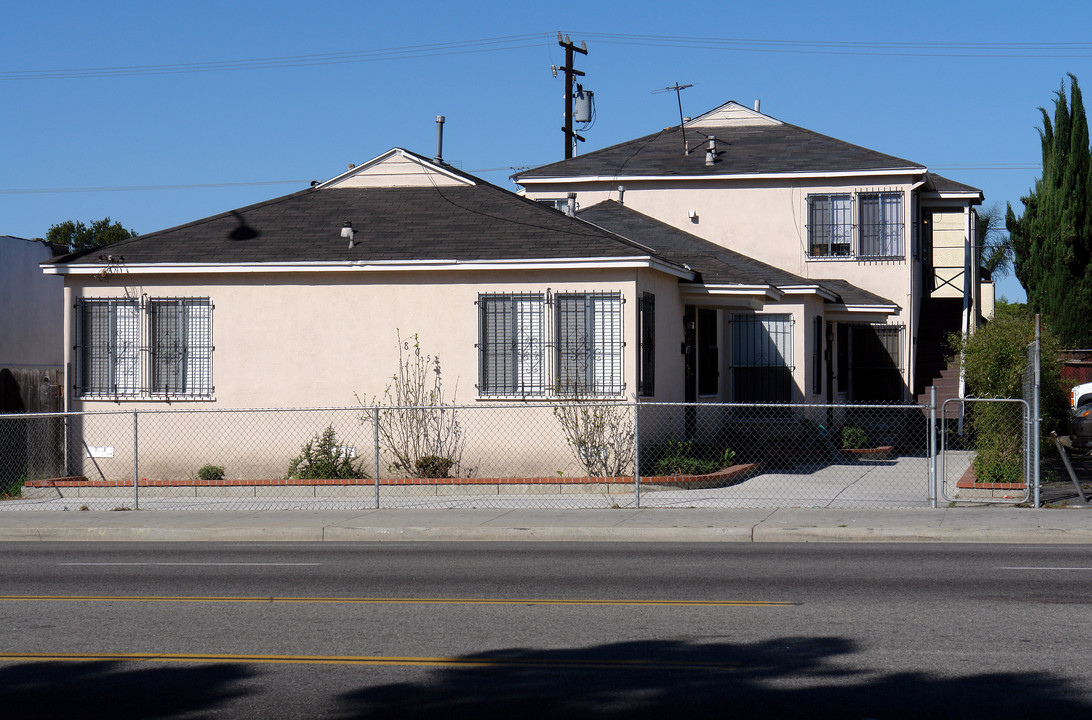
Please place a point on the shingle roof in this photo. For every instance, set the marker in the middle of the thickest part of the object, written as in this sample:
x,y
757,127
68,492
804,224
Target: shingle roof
x,y
713,263
478,222
943,184
748,149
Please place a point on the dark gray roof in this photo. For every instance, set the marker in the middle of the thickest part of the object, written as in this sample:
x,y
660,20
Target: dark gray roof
x,y
713,263
943,184
748,149
480,222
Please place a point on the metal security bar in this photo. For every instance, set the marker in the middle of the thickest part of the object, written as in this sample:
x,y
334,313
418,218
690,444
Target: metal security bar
x,y
149,348
986,450
535,454
762,362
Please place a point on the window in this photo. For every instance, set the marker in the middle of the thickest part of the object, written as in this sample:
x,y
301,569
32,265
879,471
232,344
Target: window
x,y
586,347
869,362
762,358
646,369
830,225
157,347
512,345
879,225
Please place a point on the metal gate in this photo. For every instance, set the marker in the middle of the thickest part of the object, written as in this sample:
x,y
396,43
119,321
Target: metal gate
x,y
985,450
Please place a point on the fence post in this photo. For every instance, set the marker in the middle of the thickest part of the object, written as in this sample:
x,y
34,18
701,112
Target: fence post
x,y
136,464
1036,420
934,486
637,453
375,450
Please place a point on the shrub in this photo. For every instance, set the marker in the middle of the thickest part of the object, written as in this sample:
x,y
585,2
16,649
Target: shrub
x,y
211,472
416,421
433,466
600,435
678,457
854,438
323,458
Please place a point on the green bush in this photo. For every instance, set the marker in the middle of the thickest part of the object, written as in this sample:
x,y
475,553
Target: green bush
x,y
211,472
854,438
433,466
323,458
678,457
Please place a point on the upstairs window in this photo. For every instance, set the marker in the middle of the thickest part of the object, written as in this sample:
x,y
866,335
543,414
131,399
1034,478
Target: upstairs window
x,y
874,230
830,225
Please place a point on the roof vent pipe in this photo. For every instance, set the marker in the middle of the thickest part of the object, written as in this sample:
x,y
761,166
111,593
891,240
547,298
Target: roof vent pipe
x,y
439,138
621,194
711,151
758,104
570,205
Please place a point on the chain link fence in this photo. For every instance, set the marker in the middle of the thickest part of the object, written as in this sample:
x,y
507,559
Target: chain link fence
x,y
986,450
516,455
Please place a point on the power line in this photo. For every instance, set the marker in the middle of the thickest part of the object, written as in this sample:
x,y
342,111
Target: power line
x,y
509,42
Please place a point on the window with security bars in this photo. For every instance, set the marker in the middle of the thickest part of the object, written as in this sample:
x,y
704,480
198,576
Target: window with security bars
x,y
159,347
762,358
589,343
514,345
646,369
869,362
830,225
881,224
181,346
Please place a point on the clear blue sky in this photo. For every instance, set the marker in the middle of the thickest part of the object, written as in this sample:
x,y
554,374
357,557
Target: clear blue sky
x,y
244,95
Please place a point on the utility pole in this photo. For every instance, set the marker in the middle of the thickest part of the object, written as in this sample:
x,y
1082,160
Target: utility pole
x,y
570,72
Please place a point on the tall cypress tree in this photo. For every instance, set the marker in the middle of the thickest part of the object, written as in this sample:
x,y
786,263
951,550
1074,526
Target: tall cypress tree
x,y
1052,240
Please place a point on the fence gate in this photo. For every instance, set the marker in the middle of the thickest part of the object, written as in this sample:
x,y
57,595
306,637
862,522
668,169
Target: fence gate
x,y
985,450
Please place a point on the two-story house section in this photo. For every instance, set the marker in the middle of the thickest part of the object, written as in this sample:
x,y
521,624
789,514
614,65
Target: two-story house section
x,y
880,247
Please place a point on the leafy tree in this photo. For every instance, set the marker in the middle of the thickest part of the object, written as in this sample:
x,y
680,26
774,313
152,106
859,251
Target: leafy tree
x,y
78,236
1052,240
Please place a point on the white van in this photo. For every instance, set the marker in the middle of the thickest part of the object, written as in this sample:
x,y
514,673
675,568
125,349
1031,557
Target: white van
x,y
1081,395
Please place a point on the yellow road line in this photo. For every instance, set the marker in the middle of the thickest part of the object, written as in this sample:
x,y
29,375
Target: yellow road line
x,y
368,660
390,601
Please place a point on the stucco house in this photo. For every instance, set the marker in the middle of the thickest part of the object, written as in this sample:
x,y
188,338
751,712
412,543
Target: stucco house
x,y
875,254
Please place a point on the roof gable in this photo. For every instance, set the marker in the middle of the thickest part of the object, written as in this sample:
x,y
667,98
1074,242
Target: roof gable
x,y
732,114
397,168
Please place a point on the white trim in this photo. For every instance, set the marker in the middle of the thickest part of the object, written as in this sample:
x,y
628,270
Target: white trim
x,y
886,309
387,155
726,176
809,290
768,292
364,266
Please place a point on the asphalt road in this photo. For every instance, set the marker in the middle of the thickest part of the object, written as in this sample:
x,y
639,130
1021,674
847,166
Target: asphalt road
x,y
533,630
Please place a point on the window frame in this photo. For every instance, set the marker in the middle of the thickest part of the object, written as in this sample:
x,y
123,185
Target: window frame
x,y
871,225
103,339
580,345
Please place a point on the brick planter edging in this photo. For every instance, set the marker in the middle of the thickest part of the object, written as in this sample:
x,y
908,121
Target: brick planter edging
x,y
727,476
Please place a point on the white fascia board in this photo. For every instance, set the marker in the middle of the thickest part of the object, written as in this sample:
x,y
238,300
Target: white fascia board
x,y
864,309
739,176
809,290
362,266
767,292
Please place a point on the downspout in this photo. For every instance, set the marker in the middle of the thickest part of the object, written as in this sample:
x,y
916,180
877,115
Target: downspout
x,y
915,277
968,301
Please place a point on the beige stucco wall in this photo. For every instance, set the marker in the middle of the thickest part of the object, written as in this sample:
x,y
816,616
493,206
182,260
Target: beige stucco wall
x,y
311,340
767,220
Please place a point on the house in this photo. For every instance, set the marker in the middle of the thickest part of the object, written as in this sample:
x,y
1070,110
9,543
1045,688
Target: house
x,y
301,302
31,327
874,254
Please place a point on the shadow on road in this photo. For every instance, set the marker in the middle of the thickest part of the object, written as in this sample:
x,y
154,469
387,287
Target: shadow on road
x,y
116,690
783,678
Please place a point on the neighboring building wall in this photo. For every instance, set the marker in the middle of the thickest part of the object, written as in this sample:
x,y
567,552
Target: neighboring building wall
x,y
31,307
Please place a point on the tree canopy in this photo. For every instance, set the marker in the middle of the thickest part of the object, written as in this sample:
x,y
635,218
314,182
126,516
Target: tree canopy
x,y
1052,240
78,236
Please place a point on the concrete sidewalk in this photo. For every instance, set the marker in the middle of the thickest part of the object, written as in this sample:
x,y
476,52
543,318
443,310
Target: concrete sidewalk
x,y
984,524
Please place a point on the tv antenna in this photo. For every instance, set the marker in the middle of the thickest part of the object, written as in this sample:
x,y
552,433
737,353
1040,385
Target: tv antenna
x,y
678,96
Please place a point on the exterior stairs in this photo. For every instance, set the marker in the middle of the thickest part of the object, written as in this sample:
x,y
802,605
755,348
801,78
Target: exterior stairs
x,y
940,317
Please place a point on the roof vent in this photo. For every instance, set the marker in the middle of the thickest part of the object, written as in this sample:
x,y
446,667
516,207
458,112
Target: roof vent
x,y
711,151
758,104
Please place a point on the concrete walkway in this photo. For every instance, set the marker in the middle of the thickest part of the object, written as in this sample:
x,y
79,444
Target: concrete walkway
x,y
982,524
